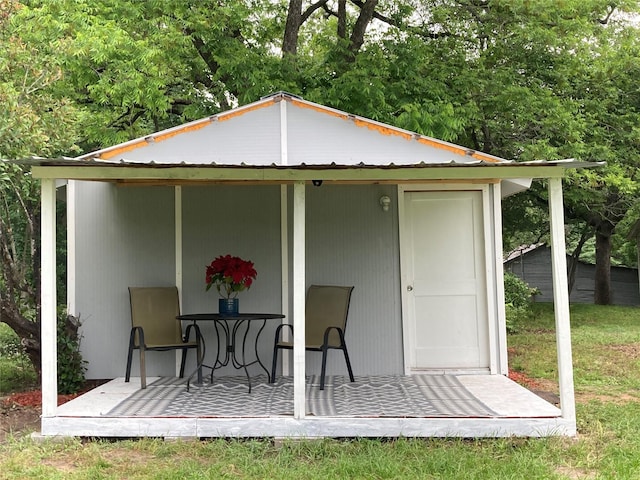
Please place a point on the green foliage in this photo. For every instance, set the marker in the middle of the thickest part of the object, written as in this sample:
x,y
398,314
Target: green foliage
x,y
71,366
34,118
518,300
626,249
9,342
599,86
16,371
524,80
16,374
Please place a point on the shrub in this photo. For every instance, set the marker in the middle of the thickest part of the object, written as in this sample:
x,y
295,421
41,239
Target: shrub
x,y
16,371
518,296
71,366
10,345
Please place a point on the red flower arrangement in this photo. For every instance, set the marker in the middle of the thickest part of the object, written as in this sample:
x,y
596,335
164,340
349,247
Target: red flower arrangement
x,y
230,275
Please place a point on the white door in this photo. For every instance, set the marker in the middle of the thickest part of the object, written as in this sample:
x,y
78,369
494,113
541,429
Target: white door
x,y
446,320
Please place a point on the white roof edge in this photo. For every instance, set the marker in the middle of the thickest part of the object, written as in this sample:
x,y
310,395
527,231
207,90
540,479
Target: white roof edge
x,y
511,186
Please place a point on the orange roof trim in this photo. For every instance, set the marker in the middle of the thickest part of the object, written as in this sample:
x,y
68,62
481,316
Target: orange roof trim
x,y
178,130
241,111
188,128
152,139
382,129
318,108
126,148
433,143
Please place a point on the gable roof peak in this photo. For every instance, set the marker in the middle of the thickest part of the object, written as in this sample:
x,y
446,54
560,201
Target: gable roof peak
x,y
280,95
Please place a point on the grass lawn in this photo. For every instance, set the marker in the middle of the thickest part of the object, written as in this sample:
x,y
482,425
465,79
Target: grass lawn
x,y
606,348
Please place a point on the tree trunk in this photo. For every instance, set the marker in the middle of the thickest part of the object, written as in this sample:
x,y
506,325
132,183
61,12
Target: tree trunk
x,y
292,28
342,19
359,29
573,259
602,286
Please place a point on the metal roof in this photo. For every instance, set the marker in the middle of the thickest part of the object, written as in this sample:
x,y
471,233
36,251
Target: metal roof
x,y
282,133
93,162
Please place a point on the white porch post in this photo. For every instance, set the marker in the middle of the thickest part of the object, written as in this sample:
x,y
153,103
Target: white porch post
x,y
178,237
299,284
71,246
177,198
284,271
284,233
48,298
561,300
503,363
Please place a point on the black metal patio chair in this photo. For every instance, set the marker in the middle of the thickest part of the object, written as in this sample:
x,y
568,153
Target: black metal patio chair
x,y
154,327
326,311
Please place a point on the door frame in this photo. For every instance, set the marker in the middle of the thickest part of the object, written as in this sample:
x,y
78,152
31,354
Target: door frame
x,y
492,230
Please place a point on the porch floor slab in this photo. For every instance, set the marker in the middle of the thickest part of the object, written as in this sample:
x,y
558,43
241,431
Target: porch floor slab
x,y
480,405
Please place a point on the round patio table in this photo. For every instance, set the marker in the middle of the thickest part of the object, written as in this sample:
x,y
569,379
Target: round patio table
x,y
236,331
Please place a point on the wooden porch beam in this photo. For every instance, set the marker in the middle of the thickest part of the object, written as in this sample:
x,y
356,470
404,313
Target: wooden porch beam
x,y
284,175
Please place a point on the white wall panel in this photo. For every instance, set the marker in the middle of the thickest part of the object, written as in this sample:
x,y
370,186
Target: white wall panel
x,y
240,221
352,241
242,139
124,238
347,143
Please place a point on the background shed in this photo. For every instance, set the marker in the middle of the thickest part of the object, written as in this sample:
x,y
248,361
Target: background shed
x,y
533,265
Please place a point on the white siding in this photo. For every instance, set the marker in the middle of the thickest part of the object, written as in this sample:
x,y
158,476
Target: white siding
x,y
249,138
124,238
352,241
240,221
127,239
341,141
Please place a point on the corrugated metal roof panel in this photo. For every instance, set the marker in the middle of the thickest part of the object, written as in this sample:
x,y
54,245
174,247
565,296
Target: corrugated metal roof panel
x,y
66,161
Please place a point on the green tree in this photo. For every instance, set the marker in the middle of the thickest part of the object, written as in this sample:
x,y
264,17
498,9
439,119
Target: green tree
x,y
601,86
33,121
611,99
521,79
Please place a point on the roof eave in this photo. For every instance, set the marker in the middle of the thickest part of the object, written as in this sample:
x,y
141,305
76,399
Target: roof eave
x,y
108,172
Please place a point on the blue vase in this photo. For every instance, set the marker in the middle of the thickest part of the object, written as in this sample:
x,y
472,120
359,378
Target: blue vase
x,y
228,306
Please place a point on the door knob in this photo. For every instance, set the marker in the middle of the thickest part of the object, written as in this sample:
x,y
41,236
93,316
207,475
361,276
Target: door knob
x,y
409,288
